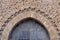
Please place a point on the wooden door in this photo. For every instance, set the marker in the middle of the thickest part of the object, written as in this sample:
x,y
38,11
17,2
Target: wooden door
x,y
29,30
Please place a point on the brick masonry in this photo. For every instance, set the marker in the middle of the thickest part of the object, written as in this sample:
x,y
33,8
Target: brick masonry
x,y
49,9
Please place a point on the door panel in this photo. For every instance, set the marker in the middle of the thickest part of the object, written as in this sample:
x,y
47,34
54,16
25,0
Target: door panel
x,y
29,30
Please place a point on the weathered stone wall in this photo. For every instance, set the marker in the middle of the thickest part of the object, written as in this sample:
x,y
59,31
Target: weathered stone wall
x,y
50,9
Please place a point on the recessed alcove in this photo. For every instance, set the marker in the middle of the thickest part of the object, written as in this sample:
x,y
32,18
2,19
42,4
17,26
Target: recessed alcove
x,y
29,29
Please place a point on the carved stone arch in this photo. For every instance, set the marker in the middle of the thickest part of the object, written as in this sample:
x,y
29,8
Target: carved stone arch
x,y
22,16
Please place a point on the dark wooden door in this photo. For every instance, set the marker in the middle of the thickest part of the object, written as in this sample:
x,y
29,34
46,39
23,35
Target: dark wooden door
x,y
29,30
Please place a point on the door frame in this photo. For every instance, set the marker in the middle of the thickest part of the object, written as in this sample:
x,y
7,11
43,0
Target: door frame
x,y
33,15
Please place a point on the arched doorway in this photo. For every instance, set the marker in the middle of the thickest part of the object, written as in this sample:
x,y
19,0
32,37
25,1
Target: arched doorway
x,y
29,29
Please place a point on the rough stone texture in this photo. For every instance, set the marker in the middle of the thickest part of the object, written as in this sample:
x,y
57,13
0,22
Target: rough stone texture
x,y
49,7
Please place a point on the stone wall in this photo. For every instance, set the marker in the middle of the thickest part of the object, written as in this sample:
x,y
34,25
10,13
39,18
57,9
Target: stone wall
x,y
50,9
